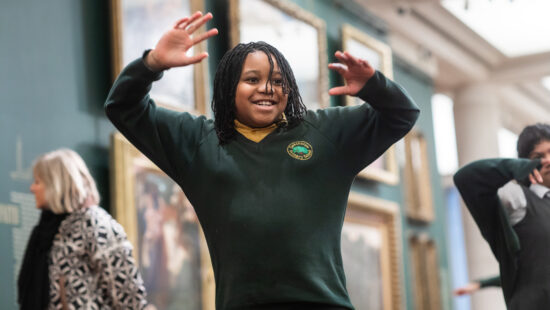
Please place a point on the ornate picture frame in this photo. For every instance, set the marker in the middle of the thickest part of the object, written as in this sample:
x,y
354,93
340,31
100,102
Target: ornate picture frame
x,y
417,178
378,54
371,253
297,33
425,272
136,27
168,242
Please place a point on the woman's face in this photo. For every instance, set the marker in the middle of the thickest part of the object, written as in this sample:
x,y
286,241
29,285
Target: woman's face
x,y
38,189
258,101
542,151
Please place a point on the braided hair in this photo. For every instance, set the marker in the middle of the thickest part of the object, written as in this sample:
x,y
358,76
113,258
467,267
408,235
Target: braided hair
x,y
227,78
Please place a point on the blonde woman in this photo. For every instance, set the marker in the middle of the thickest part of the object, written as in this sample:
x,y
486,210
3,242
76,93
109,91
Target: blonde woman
x,y
78,256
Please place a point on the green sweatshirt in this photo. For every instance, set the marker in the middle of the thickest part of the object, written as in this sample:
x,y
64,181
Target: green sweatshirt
x,y
478,184
272,212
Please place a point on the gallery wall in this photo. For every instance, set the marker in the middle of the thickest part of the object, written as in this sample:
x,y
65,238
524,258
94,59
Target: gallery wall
x,y
55,62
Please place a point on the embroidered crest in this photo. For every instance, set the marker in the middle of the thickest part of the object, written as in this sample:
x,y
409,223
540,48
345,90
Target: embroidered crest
x,y
300,150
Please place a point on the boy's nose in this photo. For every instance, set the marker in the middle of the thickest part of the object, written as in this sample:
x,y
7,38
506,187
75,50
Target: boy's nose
x,y
266,88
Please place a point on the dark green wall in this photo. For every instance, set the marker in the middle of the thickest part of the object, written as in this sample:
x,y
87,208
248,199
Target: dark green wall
x,y
55,75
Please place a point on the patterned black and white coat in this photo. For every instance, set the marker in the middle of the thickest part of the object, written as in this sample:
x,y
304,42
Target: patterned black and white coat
x,y
91,264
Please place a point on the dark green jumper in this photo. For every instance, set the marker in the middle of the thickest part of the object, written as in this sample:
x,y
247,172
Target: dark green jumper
x,y
272,219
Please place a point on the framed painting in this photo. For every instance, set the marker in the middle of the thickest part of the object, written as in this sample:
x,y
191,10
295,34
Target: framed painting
x,y
417,178
137,26
163,228
371,253
378,54
297,33
425,273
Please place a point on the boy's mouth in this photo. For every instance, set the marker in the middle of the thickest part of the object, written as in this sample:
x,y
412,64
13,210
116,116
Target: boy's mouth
x,y
264,102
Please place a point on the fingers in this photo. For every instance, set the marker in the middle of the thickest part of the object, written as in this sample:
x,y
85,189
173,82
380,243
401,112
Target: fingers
x,y
351,60
180,21
338,67
204,36
197,58
535,177
340,90
196,25
184,22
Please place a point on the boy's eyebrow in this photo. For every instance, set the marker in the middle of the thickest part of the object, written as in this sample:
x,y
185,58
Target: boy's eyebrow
x,y
258,71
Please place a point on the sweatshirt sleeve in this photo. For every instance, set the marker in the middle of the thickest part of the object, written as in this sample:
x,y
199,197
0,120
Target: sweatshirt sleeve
x,y
167,137
478,184
366,131
487,282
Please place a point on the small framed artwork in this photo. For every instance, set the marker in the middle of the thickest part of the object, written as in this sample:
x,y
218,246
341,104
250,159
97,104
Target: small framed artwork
x,y
137,26
371,253
298,34
378,54
163,228
417,178
425,273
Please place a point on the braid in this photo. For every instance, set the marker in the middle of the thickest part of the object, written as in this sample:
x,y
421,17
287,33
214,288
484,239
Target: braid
x,y
227,78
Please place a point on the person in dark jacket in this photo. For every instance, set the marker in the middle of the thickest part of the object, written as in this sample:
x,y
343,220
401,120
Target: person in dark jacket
x,y
509,201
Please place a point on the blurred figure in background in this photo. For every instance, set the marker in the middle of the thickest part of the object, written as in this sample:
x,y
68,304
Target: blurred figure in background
x,y
77,256
509,201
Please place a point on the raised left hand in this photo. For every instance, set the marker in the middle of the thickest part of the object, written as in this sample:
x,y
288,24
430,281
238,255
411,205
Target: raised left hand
x,y
355,71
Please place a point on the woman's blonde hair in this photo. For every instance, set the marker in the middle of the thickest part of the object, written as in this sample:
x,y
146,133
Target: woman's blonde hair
x,y
68,185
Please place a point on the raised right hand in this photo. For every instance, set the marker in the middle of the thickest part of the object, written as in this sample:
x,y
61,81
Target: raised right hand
x,y
536,177
171,50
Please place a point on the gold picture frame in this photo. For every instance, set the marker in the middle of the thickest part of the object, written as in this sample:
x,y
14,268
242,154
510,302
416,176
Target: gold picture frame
x,y
371,253
137,26
425,273
297,33
168,242
417,178
378,54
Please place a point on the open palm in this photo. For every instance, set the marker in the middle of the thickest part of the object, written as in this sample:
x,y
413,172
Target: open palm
x,y
171,50
355,71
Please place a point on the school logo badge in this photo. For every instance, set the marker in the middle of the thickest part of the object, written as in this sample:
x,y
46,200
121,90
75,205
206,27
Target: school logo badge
x,y
300,150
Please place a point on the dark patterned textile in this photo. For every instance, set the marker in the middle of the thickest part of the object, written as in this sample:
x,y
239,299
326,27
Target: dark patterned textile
x,y
91,264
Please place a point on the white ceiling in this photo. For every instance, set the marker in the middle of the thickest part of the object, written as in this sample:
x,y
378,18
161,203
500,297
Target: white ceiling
x,y
455,55
508,25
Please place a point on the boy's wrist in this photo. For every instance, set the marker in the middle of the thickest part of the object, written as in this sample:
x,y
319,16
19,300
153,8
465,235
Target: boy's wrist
x,y
151,62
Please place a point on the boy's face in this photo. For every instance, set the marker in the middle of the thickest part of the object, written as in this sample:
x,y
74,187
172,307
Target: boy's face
x,y
542,151
259,103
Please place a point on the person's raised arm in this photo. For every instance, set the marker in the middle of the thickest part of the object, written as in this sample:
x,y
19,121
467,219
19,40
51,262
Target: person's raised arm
x,y
370,129
479,181
167,137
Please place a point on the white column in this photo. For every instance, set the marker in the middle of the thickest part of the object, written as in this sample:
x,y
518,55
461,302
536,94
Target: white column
x,y
477,123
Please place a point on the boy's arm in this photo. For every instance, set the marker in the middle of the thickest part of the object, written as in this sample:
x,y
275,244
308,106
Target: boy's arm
x,y
492,281
167,137
365,132
478,183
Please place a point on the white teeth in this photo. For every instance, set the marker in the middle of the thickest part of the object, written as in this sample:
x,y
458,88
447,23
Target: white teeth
x,y
264,103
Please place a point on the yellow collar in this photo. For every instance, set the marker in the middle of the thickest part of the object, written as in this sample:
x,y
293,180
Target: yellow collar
x,y
254,134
